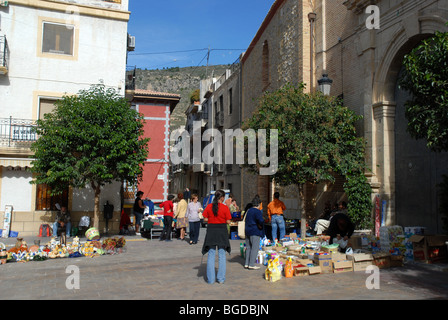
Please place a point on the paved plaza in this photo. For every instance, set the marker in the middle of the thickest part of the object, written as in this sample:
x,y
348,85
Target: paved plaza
x,y
158,270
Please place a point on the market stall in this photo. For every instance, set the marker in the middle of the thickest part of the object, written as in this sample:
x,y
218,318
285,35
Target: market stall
x,y
294,256
56,248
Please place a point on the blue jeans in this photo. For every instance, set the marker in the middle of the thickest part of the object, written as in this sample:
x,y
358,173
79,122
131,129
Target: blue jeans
x,y
68,228
221,276
278,221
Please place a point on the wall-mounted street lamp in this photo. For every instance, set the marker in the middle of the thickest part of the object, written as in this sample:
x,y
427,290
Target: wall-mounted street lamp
x,y
325,84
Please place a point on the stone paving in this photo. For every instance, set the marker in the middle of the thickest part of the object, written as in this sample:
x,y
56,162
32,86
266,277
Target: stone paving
x,y
158,270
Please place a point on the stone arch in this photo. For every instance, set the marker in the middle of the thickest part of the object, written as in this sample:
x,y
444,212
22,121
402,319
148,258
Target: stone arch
x,y
410,33
402,41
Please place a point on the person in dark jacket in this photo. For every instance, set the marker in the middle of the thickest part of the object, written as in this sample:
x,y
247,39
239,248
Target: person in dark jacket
x,y
340,227
217,215
254,232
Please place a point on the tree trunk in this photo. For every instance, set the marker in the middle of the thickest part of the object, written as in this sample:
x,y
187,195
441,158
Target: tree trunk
x,y
302,189
96,210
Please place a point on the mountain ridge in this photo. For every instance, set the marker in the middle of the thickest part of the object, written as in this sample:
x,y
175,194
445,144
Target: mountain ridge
x,y
178,80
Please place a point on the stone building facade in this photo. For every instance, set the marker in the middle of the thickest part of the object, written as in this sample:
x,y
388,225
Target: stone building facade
x,y
364,63
53,48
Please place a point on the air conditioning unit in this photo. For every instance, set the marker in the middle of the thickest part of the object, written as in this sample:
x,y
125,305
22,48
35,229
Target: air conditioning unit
x,y
131,43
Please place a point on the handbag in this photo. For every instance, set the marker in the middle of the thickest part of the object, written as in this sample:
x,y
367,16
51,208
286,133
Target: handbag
x,y
242,227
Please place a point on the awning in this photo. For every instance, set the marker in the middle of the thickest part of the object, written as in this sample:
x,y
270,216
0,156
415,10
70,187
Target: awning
x,y
15,162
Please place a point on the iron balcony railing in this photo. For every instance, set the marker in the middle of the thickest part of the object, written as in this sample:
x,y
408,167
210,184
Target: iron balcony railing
x,y
16,132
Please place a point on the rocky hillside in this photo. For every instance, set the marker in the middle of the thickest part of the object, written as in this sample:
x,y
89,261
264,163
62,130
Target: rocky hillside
x,y
177,80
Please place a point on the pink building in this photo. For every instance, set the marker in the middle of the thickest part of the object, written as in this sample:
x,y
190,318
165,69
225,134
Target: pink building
x,y
156,107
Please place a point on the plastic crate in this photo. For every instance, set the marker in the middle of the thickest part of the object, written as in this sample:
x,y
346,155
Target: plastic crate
x,y
13,234
234,236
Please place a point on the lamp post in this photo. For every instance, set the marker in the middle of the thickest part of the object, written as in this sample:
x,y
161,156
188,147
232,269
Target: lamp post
x,y
325,84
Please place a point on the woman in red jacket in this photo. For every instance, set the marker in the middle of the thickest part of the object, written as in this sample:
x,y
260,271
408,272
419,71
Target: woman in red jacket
x,y
168,214
217,215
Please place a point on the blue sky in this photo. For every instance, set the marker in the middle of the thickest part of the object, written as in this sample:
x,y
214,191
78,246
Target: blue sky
x,y
192,26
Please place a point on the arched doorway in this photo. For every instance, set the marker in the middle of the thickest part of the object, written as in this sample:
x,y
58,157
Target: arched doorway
x,y
417,173
406,171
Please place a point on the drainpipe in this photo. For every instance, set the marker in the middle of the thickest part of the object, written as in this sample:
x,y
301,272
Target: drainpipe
x,y
312,18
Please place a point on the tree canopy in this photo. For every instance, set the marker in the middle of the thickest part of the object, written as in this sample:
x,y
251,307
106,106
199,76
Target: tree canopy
x,y
317,140
90,139
425,76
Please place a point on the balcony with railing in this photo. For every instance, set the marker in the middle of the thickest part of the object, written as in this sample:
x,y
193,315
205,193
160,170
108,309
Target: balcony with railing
x,y
4,55
17,133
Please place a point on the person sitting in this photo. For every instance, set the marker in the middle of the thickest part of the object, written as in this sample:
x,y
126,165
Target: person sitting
x,y
323,223
62,222
340,228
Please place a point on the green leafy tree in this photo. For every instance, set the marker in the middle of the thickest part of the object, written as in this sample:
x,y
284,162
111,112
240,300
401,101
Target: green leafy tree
x,y
194,96
91,139
425,76
316,140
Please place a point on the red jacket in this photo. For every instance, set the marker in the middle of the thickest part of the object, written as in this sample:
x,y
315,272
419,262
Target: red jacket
x,y
168,208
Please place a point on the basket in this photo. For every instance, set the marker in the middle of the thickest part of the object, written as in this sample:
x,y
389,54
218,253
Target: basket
x,y
92,234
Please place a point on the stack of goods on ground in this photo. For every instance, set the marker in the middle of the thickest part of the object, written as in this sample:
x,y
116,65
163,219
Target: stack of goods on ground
x,y
294,256
92,247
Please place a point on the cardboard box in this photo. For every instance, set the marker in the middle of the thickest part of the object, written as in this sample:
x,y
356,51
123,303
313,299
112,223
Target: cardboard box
x,y
305,261
342,266
314,270
357,242
301,270
396,261
336,256
360,261
324,262
382,260
429,248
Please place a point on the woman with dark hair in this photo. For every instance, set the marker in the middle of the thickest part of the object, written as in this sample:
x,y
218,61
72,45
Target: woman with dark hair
x,y
254,232
139,209
217,215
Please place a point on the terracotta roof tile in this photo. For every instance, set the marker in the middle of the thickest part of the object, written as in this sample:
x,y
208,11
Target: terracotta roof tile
x,y
155,93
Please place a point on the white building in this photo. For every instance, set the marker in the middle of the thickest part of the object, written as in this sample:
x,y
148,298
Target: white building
x,y
50,48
